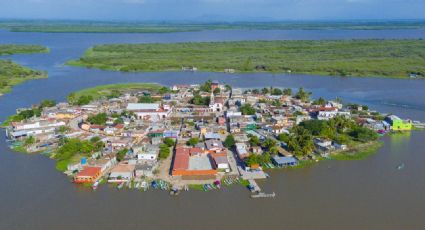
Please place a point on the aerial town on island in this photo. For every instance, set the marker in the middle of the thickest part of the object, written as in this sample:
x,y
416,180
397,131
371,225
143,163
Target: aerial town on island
x,y
195,136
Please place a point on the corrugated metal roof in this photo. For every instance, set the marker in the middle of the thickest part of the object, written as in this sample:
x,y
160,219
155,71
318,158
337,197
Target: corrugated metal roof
x,y
181,160
142,106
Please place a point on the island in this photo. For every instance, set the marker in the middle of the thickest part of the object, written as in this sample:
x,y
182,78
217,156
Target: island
x,y
72,26
11,73
199,136
362,58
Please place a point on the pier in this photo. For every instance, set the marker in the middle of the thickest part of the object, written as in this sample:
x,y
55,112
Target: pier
x,y
263,195
254,186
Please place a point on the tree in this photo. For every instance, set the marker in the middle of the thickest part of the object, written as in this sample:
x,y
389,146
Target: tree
x,y
164,151
29,141
47,103
193,141
98,119
169,142
363,134
276,91
121,154
216,90
206,87
114,94
63,129
256,91
199,100
320,101
228,87
315,127
82,100
254,141
283,137
247,109
146,99
118,120
287,92
72,98
264,91
94,139
300,142
163,90
269,143
229,142
303,95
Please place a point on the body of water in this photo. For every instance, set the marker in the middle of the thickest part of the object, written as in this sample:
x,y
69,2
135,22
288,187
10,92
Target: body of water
x,y
366,194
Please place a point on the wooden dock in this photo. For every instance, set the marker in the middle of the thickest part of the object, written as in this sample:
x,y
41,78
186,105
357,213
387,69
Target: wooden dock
x,y
263,195
255,187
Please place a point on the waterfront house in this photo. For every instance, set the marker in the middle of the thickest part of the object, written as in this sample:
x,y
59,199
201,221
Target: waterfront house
x,y
122,172
88,175
397,124
284,161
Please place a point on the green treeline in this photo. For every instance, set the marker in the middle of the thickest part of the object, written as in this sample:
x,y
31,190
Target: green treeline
x,y
11,73
384,58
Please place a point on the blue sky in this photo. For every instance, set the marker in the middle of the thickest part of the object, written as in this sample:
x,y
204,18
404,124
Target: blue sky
x,y
222,10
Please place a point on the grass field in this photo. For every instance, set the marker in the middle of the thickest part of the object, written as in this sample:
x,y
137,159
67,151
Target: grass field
x,y
382,58
66,26
12,74
7,49
105,90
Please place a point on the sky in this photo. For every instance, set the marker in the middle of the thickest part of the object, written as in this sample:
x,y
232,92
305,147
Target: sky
x,y
212,10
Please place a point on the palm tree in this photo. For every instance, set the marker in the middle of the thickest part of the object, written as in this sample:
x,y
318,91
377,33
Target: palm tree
x,y
269,143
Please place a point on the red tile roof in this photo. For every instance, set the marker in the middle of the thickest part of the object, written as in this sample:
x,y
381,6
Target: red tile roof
x,y
89,172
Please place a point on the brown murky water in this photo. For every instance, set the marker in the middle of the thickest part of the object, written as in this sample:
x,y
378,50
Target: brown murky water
x,y
366,194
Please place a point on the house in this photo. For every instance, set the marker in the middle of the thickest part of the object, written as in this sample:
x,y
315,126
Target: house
x,y
397,124
241,150
88,175
222,163
285,161
148,111
144,170
323,147
212,136
104,163
196,166
213,145
122,173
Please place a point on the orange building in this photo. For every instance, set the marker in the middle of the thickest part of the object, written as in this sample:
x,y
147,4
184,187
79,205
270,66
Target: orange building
x,y
190,162
88,175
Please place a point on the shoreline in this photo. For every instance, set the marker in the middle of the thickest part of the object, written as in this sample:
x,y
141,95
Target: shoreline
x,y
110,97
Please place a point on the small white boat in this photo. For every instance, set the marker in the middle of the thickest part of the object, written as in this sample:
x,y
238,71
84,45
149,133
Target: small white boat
x,y
401,166
95,185
121,185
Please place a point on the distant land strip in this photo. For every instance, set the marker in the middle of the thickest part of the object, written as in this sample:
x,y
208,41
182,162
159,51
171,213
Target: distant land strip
x,y
56,26
363,58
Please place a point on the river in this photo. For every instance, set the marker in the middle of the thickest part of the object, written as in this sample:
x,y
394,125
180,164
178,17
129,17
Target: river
x,y
366,194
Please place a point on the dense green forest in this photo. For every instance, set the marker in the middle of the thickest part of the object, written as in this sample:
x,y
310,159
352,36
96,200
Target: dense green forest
x,y
385,58
12,73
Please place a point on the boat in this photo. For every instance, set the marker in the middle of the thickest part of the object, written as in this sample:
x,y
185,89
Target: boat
x,y
401,166
144,185
121,185
217,183
95,185
263,195
154,184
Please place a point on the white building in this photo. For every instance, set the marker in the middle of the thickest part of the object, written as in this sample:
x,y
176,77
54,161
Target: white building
x,y
148,111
